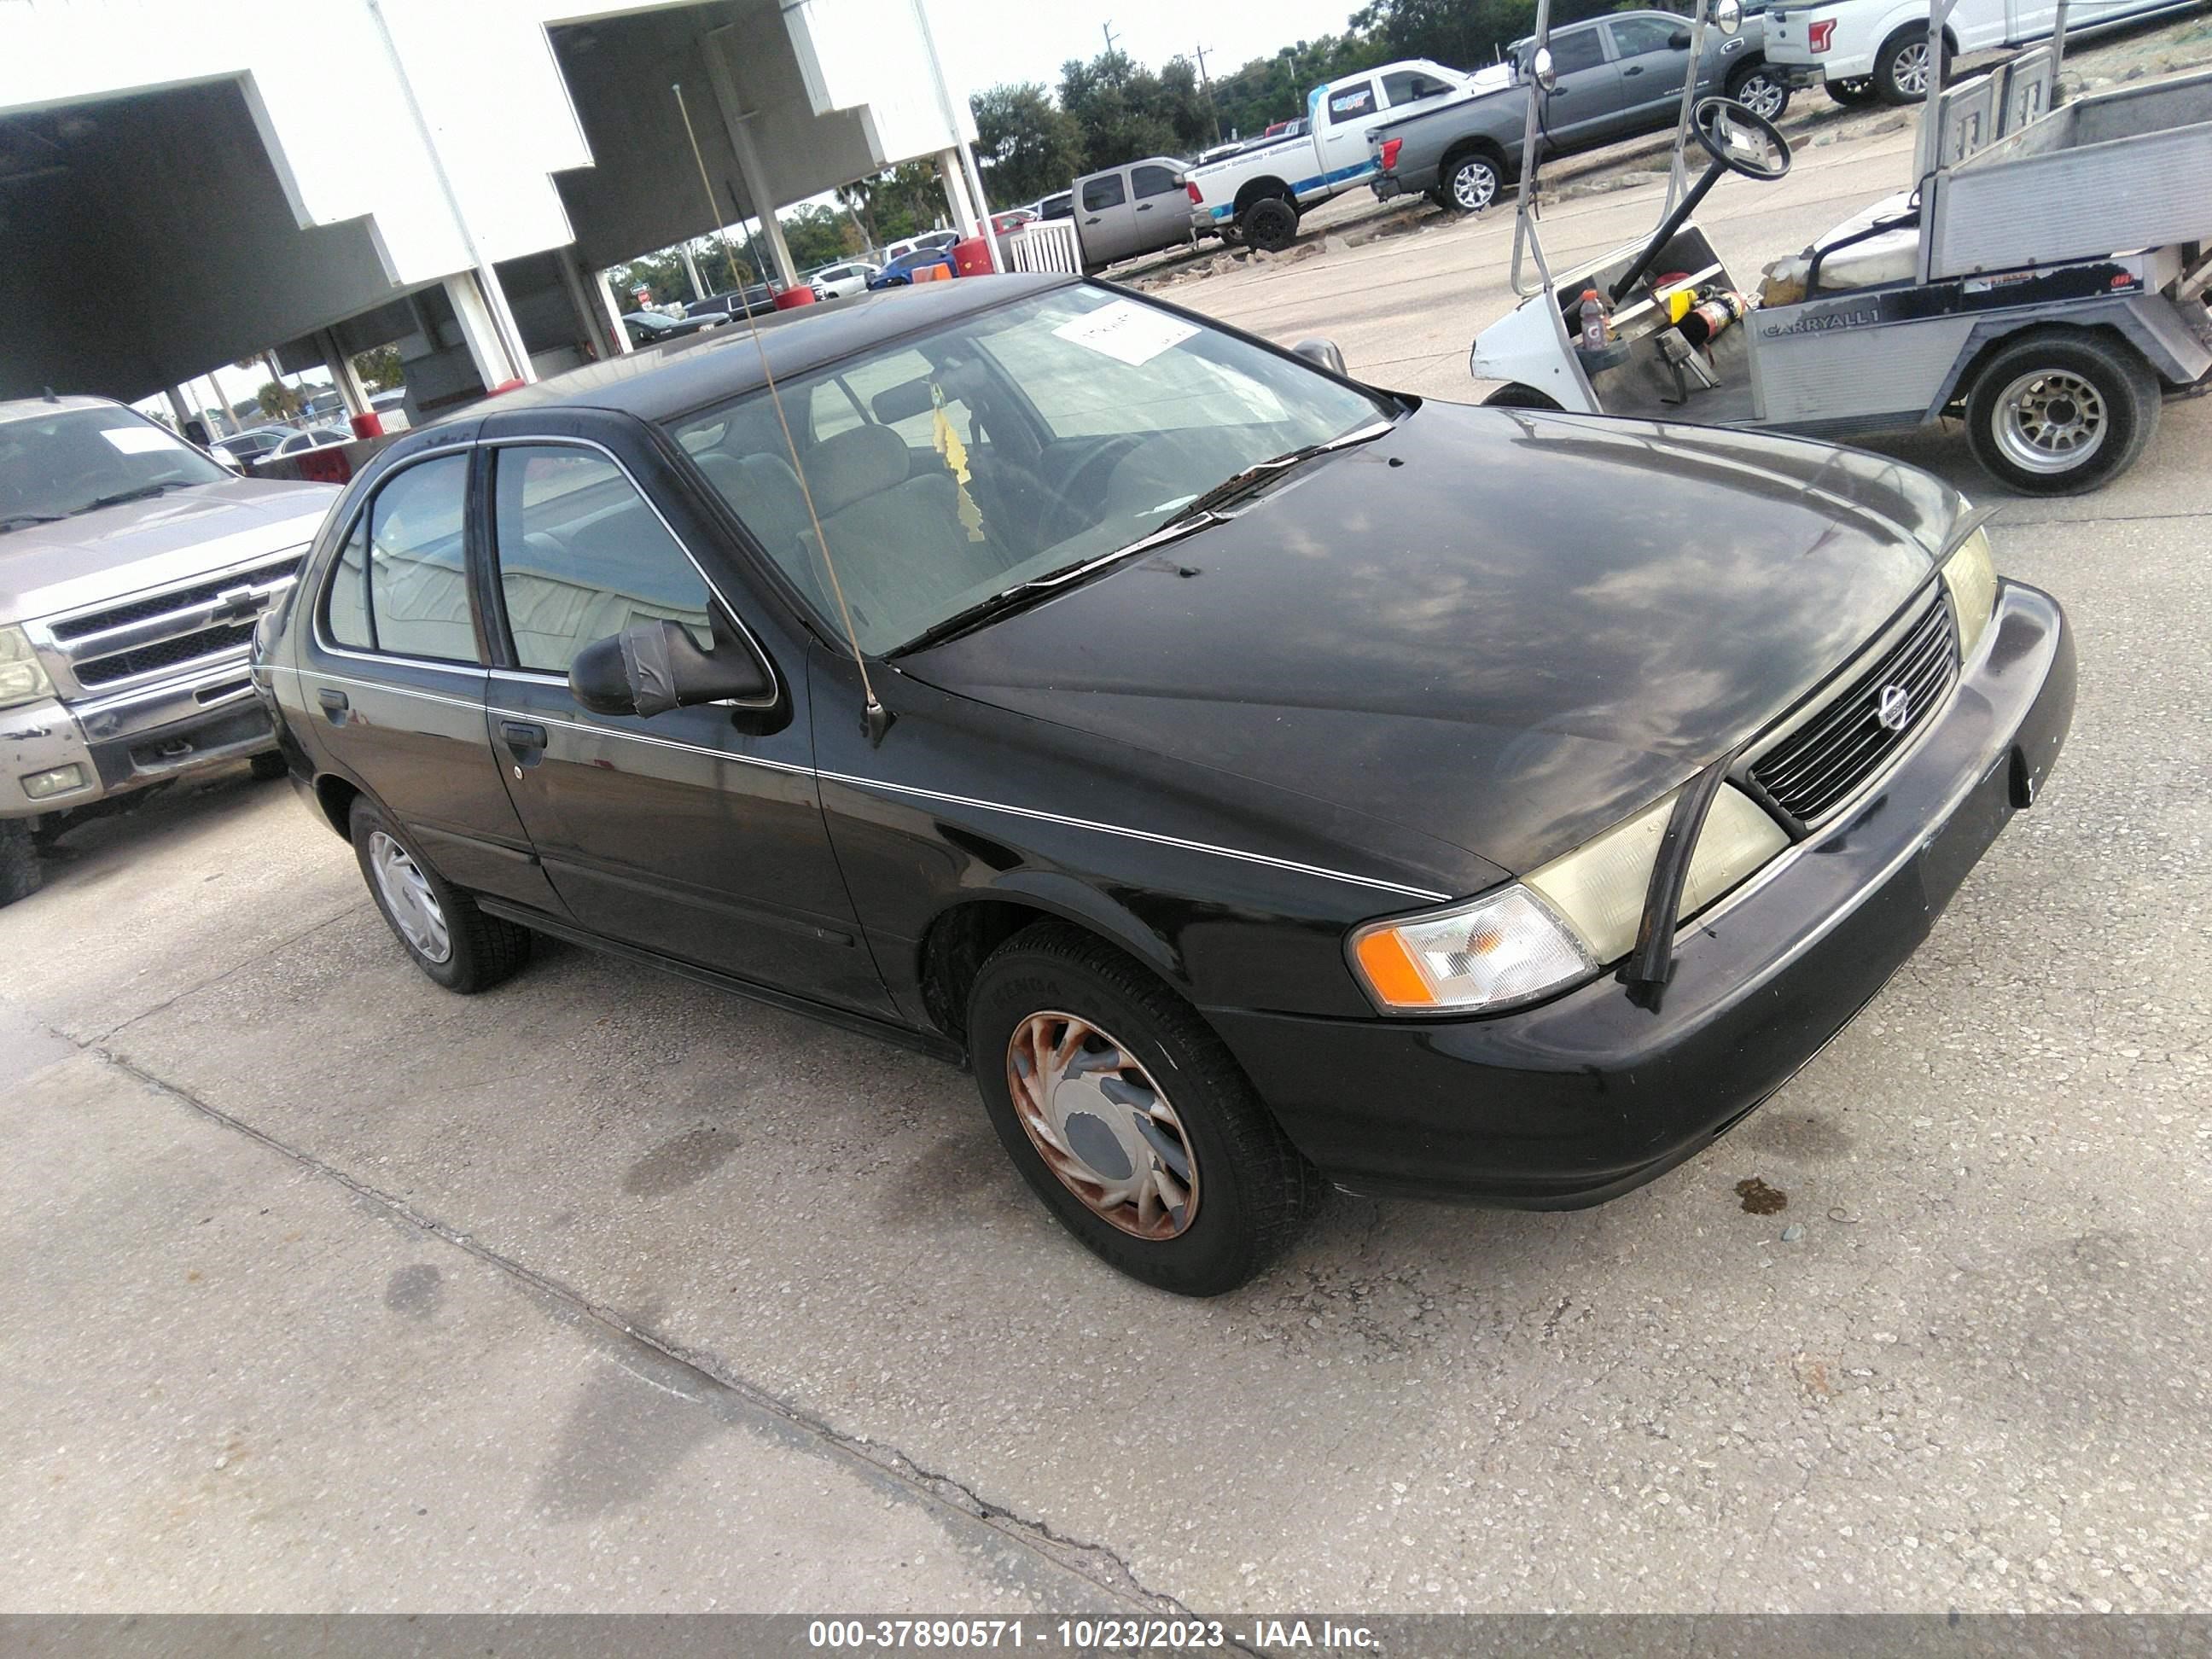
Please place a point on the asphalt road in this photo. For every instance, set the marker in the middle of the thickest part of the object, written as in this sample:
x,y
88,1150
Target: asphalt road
x,y
604,1291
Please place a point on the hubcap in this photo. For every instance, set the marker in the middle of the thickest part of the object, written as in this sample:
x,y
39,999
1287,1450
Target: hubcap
x,y
408,898
1474,186
1102,1125
1913,69
2049,421
1761,94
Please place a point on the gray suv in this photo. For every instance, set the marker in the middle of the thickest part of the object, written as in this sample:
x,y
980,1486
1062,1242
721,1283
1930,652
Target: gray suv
x,y
133,568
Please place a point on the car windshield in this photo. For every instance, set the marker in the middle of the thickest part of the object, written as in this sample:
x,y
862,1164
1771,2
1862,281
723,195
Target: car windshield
x,y
53,466
1009,446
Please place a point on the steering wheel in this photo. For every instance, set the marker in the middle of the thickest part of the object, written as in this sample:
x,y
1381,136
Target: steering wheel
x,y
1740,139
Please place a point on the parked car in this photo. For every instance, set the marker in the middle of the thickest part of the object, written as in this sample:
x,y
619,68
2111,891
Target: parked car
x,y
314,437
252,444
755,299
1136,209
924,243
1260,780
899,272
835,282
1618,76
647,326
1258,195
1061,206
1863,50
132,569
1012,219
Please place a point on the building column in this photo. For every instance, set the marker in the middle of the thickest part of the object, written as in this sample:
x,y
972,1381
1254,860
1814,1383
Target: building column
x,y
351,390
758,195
495,367
956,191
177,407
600,319
691,270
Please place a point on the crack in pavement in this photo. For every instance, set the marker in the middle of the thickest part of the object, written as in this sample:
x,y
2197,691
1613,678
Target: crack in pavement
x,y
1099,1564
176,997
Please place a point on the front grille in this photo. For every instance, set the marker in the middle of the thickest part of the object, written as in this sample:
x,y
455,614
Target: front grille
x,y
183,598
164,653
1826,760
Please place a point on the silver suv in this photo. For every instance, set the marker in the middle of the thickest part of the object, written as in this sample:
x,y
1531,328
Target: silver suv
x,y
132,570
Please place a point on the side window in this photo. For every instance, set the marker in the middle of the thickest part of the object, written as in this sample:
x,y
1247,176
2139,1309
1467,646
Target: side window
x,y
418,587
1102,192
1153,181
345,613
1410,87
581,556
1350,103
1577,49
1634,36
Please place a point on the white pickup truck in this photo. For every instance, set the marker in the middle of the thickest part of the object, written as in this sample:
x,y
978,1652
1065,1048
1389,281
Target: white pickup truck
x,y
1869,49
1258,193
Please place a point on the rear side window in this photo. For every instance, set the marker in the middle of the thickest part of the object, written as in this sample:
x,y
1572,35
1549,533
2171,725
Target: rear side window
x,y
1410,87
1634,36
1104,192
1578,49
400,583
582,556
1153,181
1350,103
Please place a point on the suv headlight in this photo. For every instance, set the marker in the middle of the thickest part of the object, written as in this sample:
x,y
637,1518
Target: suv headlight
x,y
1971,574
1559,924
22,676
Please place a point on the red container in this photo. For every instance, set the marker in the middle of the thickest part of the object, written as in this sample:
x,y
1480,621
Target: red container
x,y
971,256
368,424
792,298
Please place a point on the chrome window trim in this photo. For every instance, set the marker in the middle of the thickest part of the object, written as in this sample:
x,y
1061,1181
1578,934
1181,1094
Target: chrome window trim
x,y
397,690
320,601
525,440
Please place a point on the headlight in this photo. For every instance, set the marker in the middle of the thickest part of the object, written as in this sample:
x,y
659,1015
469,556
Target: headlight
x,y
1559,924
1970,573
22,677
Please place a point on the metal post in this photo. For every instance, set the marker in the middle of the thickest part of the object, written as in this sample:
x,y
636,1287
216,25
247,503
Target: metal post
x,y
989,232
760,196
351,390
1525,237
691,270
1678,174
2057,54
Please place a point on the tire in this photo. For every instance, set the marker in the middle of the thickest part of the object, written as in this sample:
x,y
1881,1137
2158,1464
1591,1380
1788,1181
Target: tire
x,y
21,872
1471,182
2060,412
479,950
1761,88
269,765
1901,67
1516,395
1855,93
1246,1189
1270,224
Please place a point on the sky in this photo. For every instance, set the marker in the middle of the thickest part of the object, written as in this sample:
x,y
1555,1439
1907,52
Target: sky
x,y
985,42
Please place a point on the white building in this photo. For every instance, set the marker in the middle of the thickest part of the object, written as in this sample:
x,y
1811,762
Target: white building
x,y
184,183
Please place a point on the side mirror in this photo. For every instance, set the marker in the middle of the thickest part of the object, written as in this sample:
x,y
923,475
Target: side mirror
x,y
1728,15
1322,353
652,667
1543,70
1679,40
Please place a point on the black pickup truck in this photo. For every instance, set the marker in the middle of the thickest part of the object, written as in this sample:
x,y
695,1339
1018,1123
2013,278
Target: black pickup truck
x,y
1619,77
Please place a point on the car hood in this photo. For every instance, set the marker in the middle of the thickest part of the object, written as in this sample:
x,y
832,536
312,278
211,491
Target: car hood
x,y
1505,629
123,550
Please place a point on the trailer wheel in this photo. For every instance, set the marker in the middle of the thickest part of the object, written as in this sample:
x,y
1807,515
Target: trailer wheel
x,y
1271,224
2058,412
1516,395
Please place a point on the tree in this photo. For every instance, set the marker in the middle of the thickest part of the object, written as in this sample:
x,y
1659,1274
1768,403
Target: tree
x,y
892,205
819,235
279,399
380,370
1026,146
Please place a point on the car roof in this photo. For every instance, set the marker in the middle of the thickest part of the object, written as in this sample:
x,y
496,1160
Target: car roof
x,y
31,409
658,382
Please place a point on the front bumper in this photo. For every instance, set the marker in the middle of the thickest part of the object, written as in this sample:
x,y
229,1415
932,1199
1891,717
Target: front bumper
x,y
1582,1098
119,743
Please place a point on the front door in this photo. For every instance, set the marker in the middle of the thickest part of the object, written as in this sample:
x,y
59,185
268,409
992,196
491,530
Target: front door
x,y
1162,207
696,833
1108,219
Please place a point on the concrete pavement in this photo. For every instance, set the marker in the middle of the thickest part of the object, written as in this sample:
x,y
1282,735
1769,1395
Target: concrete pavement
x,y
601,1290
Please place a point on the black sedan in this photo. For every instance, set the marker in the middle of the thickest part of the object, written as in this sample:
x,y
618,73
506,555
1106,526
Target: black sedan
x,y
649,327
1261,779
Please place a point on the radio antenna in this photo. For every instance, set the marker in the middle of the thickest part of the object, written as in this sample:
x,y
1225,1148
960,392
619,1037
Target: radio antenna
x,y
876,719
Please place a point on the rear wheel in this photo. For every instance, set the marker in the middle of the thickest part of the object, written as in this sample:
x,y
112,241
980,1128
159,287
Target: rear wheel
x,y
1515,395
1128,1117
1855,93
1271,224
1761,88
450,940
2057,412
20,875
1471,183
1903,66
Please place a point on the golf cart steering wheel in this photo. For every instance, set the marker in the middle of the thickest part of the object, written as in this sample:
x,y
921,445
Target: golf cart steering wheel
x,y
1740,139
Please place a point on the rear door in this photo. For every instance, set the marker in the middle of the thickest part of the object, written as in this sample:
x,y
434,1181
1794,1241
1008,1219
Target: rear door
x,y
1341,117
1653,67
392,672
1107,217
696,833
1584,108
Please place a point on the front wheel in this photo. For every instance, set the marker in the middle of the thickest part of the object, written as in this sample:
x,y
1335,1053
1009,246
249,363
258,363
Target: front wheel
x,y
1471,183
1128,1117
1516,395
1760,89
448,938
21,874
2059,413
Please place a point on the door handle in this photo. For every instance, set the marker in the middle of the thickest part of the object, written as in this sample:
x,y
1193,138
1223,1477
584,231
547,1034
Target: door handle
x,y
335,706
1144,207
1637,70
519,734
1092,220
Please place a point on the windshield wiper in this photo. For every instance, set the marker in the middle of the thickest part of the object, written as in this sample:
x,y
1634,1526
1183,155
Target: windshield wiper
x,y
144,492
1233,489
1196,515
18,520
